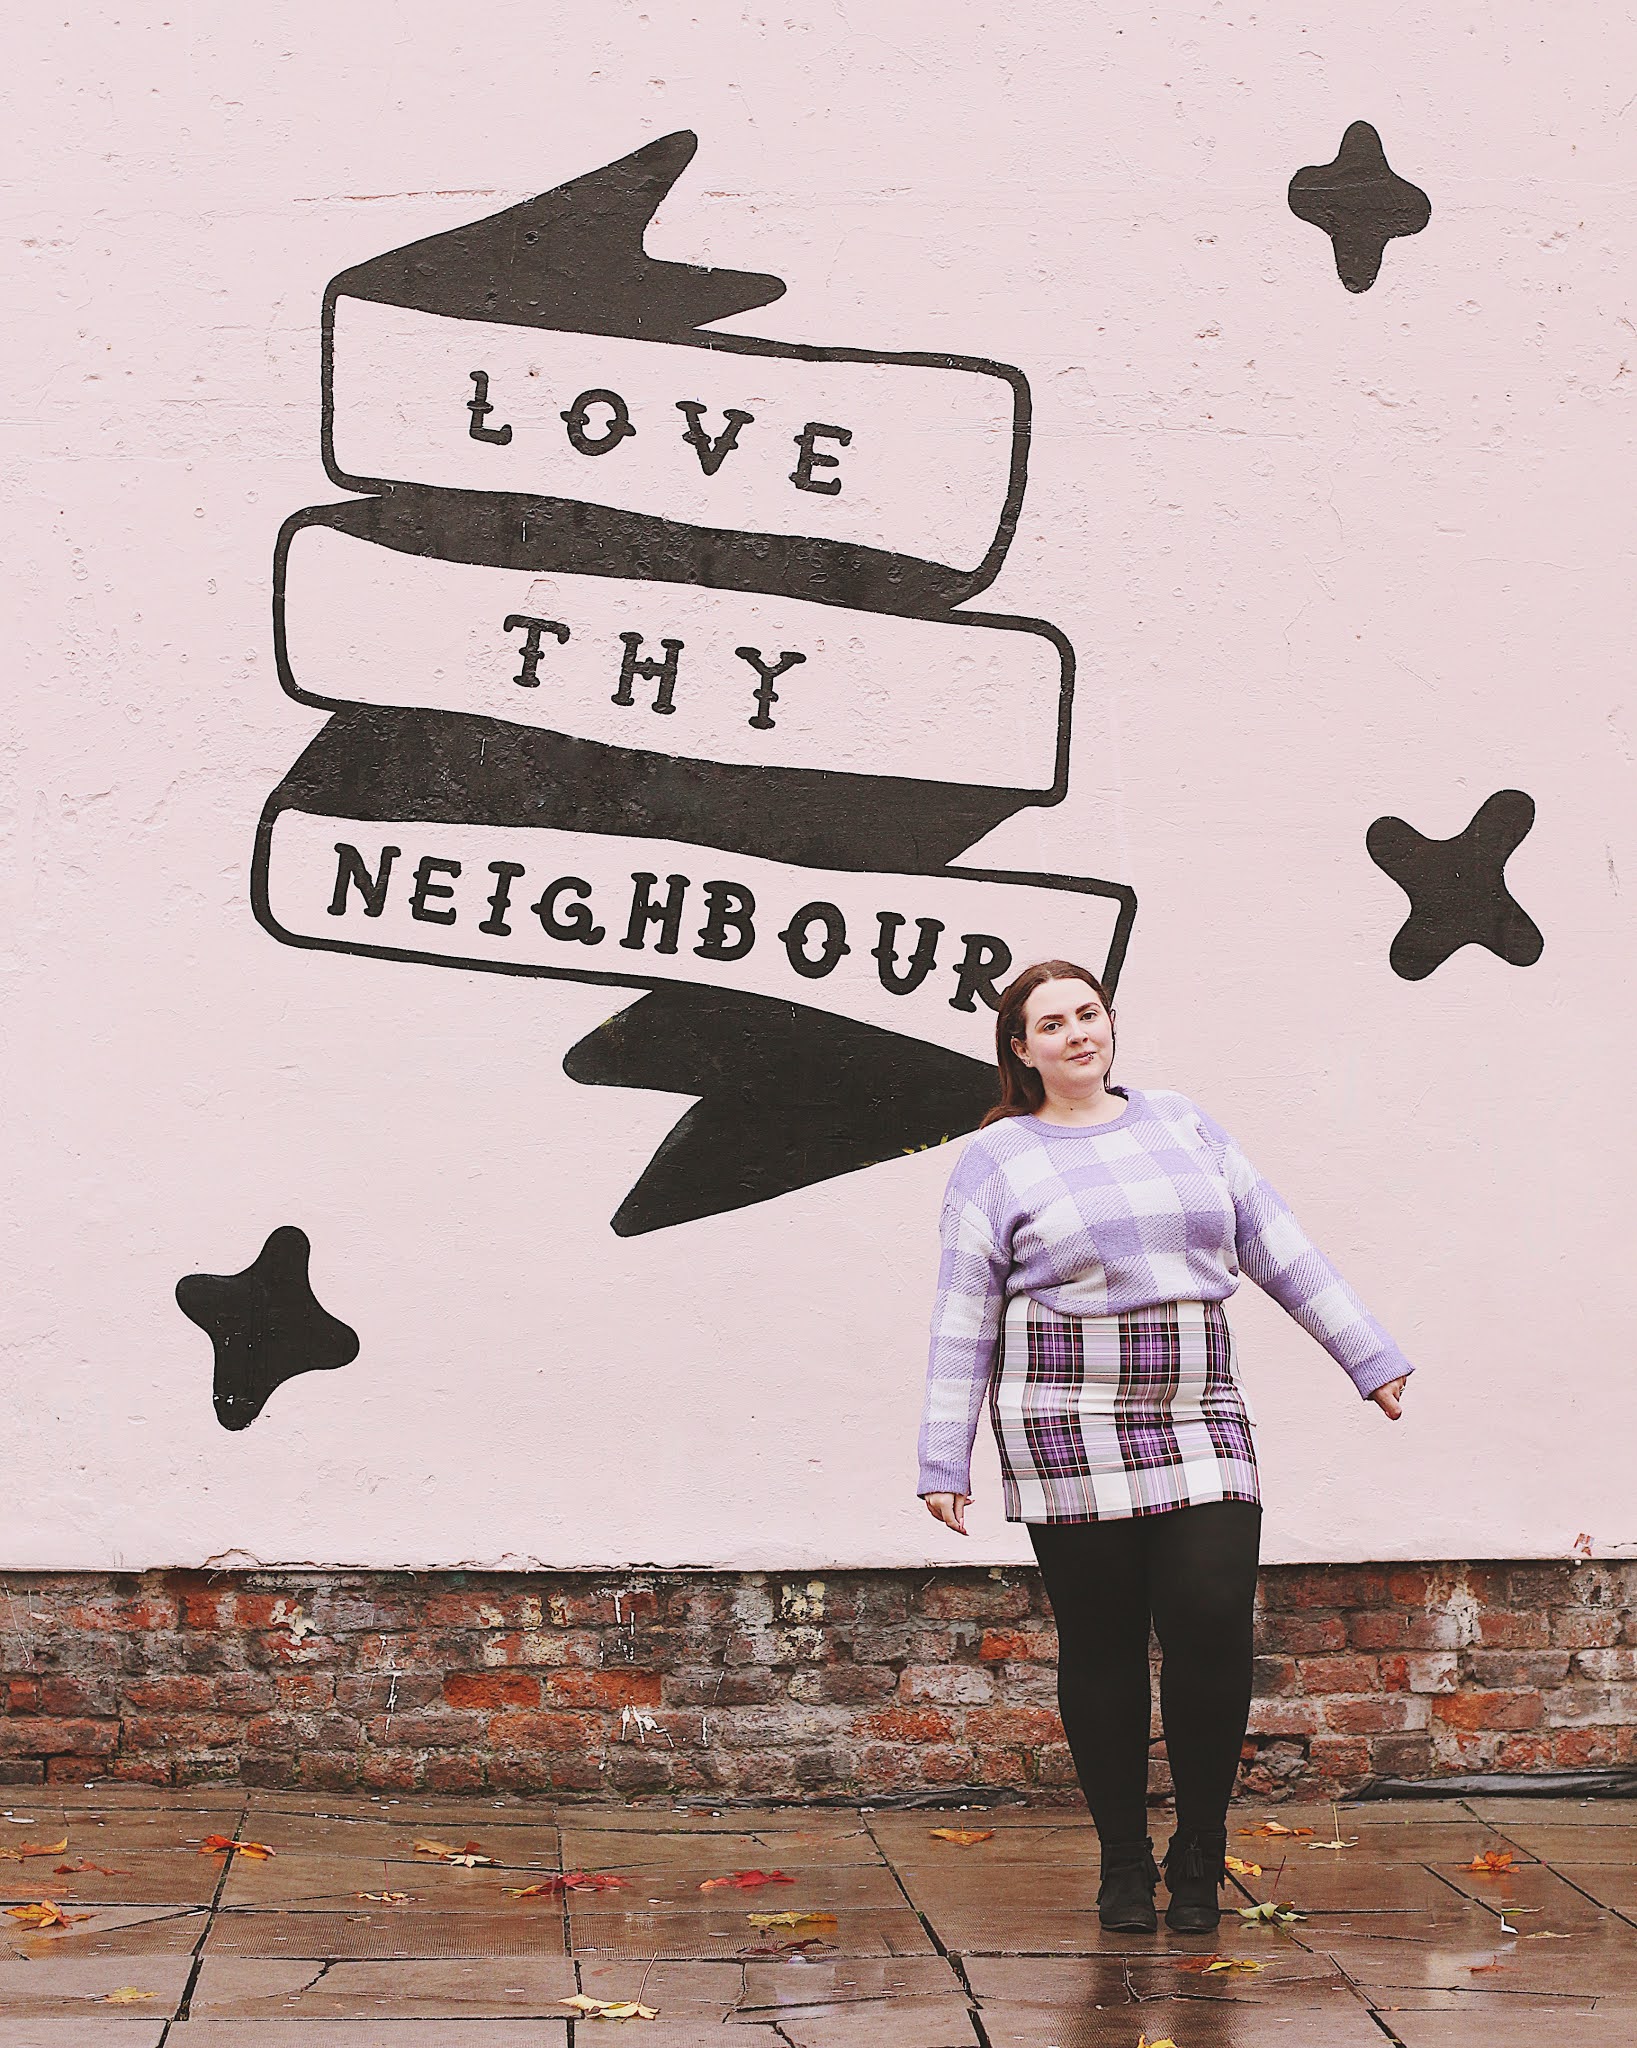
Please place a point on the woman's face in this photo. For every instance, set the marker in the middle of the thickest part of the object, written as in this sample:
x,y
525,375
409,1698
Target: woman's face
x,y
1069,1037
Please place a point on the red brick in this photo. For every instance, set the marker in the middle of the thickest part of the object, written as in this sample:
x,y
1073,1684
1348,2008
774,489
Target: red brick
x,y
1302,1634
1026,1725
36,1735
907,1724
133,1616
845,1682
1377,1628
544,1730
1484,1711
1383,1714
1337,1674
606,1689
1020,1646
974,1599
1501,1631
23,1695
491,1689
1584,1749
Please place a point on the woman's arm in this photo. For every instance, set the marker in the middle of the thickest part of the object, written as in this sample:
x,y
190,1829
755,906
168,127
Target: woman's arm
x,y
972,1272
1277,1254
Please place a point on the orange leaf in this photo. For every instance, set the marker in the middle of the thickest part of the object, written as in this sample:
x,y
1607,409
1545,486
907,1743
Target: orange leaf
x,y
1491,1863
74,1869
33,1849
259,1850
1273,1827
215,1845
965,1836
1478,1969
45,1914
1241,1868
745,1880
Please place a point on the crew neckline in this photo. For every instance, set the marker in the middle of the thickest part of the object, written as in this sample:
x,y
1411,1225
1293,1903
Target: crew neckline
x,y
1112,1123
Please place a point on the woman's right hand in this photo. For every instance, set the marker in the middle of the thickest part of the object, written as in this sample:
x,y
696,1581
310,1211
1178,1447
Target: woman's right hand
x,y
948,1508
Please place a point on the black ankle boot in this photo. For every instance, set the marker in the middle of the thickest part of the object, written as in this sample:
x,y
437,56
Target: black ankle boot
x,y
1193,1870
1125,1898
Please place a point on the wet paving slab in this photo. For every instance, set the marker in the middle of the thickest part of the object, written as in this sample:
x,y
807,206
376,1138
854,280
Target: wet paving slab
x,y
1432,1924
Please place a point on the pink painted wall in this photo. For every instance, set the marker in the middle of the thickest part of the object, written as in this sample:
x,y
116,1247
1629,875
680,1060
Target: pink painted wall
x,y
1323,557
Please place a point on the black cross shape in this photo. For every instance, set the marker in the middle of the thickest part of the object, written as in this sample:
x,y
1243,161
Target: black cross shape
x,y
1361,203
1457,887
266,1325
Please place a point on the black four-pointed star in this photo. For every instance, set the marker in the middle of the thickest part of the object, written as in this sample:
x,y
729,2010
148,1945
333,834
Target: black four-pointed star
x,y
1457,887
266,1326
1361,203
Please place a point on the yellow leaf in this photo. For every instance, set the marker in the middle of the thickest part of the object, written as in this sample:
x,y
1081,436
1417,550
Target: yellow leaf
x,y
965,1836
1144,2042
33,1849
44,1914
1234,1963
612,2009
1276,1912
468,1858
386,1898
1274,1827
128,1994
1241,1868
259,1850
791,1919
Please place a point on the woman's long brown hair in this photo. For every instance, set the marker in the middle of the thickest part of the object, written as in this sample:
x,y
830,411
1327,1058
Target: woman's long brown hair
x,y
1021,1090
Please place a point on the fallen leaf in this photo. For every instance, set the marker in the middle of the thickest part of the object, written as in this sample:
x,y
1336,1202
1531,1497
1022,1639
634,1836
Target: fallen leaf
x,y
965,1836
569,1881
745,1880
1478,1969
1241,1868
75,1869
1234,1963
259,1850
33,1849
1273,1827
812,1946
1491,1863
128,1994
618,2009
45,1914
791,1919
386,1898
468,1858
1275,1912
215,1845
1144,2042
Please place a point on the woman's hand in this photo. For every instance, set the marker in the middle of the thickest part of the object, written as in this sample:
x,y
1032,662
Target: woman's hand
x,y
1389,1399
948,1508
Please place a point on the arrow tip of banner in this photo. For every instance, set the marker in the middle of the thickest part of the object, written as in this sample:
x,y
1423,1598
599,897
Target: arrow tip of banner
x,y
570,258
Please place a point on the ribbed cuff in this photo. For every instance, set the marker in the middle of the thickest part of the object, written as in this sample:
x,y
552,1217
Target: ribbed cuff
x,y
944,1479
1380,1372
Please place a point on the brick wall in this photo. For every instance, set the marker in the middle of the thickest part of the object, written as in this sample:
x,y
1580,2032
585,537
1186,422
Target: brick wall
x,y
759,1684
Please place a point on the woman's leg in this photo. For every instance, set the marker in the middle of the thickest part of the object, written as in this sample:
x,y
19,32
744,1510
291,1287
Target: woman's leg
x,y
1097,1584
1202,1586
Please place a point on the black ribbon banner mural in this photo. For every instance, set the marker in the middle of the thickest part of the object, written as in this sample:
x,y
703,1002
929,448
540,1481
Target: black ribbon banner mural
x,y
645,669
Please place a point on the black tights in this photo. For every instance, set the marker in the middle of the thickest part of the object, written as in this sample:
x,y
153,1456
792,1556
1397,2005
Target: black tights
x,y
1192,1571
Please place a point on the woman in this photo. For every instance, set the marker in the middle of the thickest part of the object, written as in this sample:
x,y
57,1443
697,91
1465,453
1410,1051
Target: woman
x,y
1090,1235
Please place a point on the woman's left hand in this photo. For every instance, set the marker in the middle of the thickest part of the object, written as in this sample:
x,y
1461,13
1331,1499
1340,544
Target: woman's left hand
x,y
1389,1399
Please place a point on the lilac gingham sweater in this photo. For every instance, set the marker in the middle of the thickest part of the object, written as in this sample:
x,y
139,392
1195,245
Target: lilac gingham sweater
x,y
1159,1204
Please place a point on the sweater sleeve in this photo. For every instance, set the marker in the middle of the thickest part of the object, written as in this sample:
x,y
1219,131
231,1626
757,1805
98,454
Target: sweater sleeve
x,y
1278,1255
972,1273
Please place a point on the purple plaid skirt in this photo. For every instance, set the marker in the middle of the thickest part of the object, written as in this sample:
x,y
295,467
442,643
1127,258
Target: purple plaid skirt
x,y
1102,1417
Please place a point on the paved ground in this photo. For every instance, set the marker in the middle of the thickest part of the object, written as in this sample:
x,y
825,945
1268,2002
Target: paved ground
x,y
910,1941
